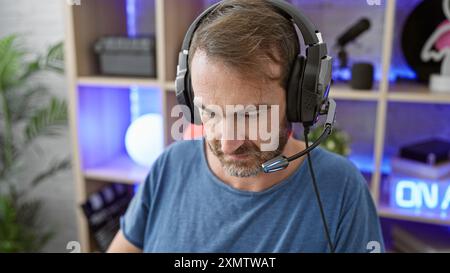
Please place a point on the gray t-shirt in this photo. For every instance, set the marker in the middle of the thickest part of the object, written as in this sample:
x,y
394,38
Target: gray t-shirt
x,y
183,207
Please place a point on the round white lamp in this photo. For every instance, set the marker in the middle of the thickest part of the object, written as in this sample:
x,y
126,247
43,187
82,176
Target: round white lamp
x,y
144,139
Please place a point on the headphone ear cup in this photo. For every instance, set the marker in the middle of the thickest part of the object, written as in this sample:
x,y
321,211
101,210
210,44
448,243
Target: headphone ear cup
x,y
195,115
185,98
293,96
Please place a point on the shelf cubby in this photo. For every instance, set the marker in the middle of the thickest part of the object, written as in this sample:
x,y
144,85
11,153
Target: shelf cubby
x,y
105,114
92,20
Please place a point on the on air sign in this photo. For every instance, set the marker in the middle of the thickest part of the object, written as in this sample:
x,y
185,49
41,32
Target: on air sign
x,y
420,194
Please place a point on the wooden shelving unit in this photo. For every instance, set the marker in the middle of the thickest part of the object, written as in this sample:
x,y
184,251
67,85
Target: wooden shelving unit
x,y
96,18
117,81
84,25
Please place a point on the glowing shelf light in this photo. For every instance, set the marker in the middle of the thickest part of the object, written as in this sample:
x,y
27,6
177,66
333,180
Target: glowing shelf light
x,y
131,18
144,139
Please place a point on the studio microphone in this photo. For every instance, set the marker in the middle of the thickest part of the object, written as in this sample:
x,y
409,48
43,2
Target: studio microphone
x,y
281,162
353,32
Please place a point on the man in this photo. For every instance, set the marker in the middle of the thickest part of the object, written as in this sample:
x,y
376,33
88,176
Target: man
x,y
210,195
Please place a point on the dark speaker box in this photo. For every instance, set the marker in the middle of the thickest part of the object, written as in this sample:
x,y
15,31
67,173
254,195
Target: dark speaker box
x,y
362,76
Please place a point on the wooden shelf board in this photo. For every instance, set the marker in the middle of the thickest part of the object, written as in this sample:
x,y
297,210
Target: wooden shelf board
x,y
344,91
169,86
416,93
408,215
117,81
119,170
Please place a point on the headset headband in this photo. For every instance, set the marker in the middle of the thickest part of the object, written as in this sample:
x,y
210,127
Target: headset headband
x,y
307,29
309,78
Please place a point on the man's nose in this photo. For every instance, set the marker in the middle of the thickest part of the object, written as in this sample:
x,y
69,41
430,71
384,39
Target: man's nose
x,y
229,141
229,146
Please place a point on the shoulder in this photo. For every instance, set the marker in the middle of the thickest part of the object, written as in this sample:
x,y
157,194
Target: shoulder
x,y
179,158
334,164
338,174
342,185
184,146
179,151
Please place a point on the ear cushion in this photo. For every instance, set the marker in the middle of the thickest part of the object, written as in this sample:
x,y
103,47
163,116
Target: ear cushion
x,y
195,115
185,98
293,96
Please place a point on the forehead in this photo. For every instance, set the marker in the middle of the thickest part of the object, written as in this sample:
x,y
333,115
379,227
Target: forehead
x,y
217,83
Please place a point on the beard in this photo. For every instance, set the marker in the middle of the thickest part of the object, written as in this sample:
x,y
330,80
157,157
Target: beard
x,y
254,157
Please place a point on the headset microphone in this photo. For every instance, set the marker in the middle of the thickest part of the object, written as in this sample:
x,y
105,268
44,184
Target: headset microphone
x,y
281,162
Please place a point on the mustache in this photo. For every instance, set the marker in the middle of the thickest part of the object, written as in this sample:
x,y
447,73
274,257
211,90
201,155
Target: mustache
x,y
248,148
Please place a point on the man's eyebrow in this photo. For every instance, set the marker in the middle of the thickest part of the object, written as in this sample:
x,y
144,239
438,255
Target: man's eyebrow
x,y
206,109
202,106
258,107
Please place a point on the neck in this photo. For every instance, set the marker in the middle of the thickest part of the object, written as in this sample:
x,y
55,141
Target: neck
x,y
261,181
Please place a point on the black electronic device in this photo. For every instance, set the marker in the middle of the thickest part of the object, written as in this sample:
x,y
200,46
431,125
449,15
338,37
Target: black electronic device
x,y
362,76
126,56
103,210
433,151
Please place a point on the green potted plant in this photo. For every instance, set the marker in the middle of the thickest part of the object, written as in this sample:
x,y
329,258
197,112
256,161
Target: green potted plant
x,y
338,142
27,112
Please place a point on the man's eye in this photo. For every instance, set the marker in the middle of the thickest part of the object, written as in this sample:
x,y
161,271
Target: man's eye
x,y
207,115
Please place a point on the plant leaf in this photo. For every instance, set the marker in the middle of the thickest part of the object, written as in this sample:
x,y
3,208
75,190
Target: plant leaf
x,y
46,120
30,69
55,57
23,104
53,170
20,227
10,62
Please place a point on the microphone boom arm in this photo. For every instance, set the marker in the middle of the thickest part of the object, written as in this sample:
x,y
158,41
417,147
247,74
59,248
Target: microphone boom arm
x,y
281,162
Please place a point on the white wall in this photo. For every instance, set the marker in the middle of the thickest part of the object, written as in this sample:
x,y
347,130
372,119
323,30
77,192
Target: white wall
x,y
41,23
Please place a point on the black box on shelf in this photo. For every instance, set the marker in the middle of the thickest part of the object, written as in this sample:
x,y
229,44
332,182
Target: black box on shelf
x,y
103,210
125,56
431,152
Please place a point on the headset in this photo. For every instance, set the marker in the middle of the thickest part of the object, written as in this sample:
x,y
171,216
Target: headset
x,y
306,91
